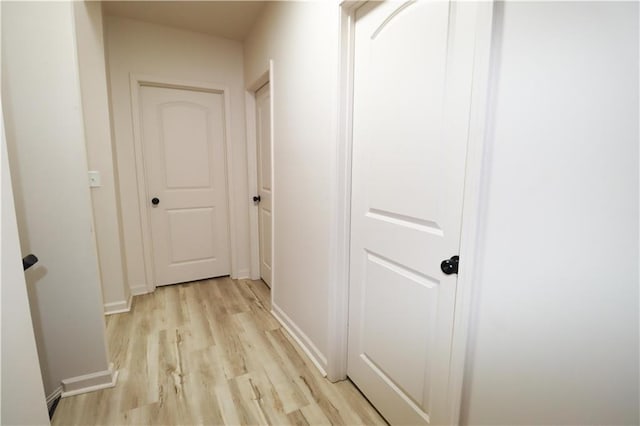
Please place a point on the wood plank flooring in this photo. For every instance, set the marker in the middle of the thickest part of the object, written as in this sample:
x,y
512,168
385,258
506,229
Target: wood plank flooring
x,y
209,352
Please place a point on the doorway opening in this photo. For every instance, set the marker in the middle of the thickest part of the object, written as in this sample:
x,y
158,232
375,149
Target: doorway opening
x,y
185,194
380,200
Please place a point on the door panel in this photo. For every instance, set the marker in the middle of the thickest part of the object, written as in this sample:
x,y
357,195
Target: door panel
x,y
415,297
407,188
185,139
183,142
263,120
195,227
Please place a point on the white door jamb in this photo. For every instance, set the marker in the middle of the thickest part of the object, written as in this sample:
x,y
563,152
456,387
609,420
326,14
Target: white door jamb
x,y
340,234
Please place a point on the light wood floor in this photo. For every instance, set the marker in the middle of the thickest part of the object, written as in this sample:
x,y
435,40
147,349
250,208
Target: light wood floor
x,y
210,352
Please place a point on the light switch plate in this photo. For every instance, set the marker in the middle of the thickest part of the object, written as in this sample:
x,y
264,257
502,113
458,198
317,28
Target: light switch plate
x,y
94,179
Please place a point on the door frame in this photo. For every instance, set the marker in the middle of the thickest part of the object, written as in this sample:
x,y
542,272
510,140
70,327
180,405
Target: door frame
x,y
474,184
138,81
252,170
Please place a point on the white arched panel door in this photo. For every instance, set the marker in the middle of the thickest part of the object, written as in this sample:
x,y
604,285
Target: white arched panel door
x,y
412,79
183,137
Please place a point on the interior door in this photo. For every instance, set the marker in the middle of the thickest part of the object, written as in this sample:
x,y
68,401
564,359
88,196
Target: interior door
x,y
263,137
22,397
411,109
184,151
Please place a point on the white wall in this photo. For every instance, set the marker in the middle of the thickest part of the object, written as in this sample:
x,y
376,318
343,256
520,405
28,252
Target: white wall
x,y
48,159
22,400
555,328
95,104
135,47
302,40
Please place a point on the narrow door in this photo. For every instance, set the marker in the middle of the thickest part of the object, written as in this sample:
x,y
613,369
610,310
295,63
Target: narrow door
x,y
263,124
184,156
407,177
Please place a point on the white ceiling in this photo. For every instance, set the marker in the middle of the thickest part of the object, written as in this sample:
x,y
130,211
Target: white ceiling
x,y
229,19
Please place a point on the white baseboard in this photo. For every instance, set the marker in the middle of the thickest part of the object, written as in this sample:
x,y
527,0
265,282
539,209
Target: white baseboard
x,y
139,289
52,398
318,359
118,307
90,382
244,274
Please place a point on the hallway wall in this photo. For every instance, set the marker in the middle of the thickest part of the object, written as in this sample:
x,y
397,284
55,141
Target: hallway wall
x,y
48,161
302,40
554,335
100,154
135,47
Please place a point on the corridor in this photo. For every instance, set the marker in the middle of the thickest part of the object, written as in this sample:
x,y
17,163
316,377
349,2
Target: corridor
x,y
209,352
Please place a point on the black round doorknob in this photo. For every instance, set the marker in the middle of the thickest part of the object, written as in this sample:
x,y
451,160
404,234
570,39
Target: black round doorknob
x,y
155,201
450,266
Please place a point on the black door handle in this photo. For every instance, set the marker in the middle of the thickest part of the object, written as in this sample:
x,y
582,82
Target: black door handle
x,y
155,201
28,261
450,266
256,199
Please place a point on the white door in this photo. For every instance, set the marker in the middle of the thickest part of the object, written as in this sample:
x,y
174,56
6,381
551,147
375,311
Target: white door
x,y
22,399
184,154
409,144
263,137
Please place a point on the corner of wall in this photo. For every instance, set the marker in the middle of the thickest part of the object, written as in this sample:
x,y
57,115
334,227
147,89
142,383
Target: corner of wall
x,y
91,56
90,382
313,353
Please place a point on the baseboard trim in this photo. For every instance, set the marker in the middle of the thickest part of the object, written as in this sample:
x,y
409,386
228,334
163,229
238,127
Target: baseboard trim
x,y
118,307
90,382
52,398
244,274
316,357
139,289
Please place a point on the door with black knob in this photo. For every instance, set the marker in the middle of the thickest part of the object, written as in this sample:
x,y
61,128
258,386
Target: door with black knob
x,y
183,140
263,199
408,167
